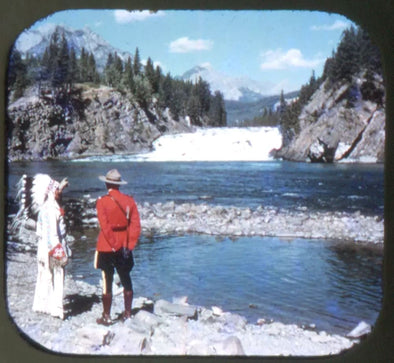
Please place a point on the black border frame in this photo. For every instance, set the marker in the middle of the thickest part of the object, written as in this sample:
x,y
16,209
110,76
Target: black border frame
x,y
376,16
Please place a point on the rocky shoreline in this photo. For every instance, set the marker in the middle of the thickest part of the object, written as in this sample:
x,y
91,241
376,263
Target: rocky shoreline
x,y
156,327
177,328
203,218
170,217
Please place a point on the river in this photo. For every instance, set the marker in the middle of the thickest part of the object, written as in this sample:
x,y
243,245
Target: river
x,y
329,283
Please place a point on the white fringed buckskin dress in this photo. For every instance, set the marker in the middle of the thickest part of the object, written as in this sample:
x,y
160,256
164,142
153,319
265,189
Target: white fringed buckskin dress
x,y
48,296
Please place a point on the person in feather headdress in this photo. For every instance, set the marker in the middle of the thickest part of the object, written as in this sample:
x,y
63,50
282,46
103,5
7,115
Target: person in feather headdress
x,y
52,249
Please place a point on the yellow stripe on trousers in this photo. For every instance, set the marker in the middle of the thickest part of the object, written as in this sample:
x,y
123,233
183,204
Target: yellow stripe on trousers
x,y
102,273
95,259
104,282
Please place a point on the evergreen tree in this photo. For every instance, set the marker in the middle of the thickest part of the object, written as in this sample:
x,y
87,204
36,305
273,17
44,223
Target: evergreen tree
x,y
114,71
347,58
83,65
73,68
62,64
217,110
118,69
33,69
157,81
55,69
193,109
150,71
108,71
17,74
282,103
177,99
143,91
167,91
92,74
50,58
137,63
128,77
286,121
203,92
370,57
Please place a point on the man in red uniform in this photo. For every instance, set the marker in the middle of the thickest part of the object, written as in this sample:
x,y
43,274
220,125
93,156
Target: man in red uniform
x,y
119,232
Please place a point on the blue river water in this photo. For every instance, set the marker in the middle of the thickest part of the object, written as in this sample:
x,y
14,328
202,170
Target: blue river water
x,y
331,284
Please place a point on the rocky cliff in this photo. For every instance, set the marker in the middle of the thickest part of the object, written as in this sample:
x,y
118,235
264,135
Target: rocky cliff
x,y
86,121
338,124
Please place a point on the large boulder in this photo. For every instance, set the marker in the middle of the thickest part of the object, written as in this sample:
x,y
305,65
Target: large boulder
x,y
87,121
334,129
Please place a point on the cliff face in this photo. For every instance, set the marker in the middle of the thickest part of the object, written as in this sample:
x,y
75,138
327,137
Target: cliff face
x,y
87,121
338,125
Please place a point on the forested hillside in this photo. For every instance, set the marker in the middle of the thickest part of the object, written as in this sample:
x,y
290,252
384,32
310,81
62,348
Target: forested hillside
x,y
59,69
341,114
59,90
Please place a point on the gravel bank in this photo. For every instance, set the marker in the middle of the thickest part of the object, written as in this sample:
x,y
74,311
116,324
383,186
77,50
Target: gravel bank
x,y
233,221
157,327
168,328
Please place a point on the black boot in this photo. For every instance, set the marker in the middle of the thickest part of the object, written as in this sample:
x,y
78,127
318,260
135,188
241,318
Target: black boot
x,y
128,298
106,317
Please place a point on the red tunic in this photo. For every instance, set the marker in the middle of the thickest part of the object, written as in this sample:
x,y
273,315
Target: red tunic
x,y
113,222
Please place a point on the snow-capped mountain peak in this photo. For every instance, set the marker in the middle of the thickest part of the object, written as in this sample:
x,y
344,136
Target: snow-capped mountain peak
x,y
35,41
232,88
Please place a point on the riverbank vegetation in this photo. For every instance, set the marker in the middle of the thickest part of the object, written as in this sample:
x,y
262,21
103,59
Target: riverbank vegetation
x,y
355,58
355,55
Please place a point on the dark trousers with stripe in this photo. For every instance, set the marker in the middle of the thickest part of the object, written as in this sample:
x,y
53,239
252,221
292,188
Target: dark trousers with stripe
x,y
108,262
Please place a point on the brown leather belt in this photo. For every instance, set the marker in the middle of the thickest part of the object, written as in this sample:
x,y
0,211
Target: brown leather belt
x,y
119,228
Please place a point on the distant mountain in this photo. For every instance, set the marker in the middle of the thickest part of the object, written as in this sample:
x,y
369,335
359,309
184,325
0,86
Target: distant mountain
x,y
34,42
238,111
244,98
233,88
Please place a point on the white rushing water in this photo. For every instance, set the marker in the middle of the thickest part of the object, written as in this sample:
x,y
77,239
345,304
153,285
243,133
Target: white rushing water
x,y
217,144
211,144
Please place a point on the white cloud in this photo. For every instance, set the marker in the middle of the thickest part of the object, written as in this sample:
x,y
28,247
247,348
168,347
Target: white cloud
x,y
278,59
124,16
186,45
337,25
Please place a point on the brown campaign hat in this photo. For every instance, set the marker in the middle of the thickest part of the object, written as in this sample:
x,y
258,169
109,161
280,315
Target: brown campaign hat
x,y
113,177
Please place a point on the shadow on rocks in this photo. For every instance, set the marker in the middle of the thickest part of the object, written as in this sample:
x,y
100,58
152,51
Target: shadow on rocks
x,y
146,306
78,304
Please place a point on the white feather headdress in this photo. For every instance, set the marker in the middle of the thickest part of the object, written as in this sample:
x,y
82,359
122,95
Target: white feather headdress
x,y
43,186
32,192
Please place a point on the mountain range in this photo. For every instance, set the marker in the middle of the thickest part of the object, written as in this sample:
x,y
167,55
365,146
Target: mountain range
x,y
234,89
35,41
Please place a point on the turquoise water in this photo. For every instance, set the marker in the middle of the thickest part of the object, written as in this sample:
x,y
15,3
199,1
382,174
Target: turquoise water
x,y
322,187
331,284
327,283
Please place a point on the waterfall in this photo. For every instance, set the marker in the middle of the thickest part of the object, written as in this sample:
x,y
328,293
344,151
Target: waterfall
x,y
216,144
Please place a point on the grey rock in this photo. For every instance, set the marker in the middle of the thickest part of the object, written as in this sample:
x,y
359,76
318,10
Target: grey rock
x,y
147,319
230,346
163,307
214,220
174,335
331,131
82,126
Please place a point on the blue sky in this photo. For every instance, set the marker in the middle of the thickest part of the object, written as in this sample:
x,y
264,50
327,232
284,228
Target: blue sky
x,y
277,47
